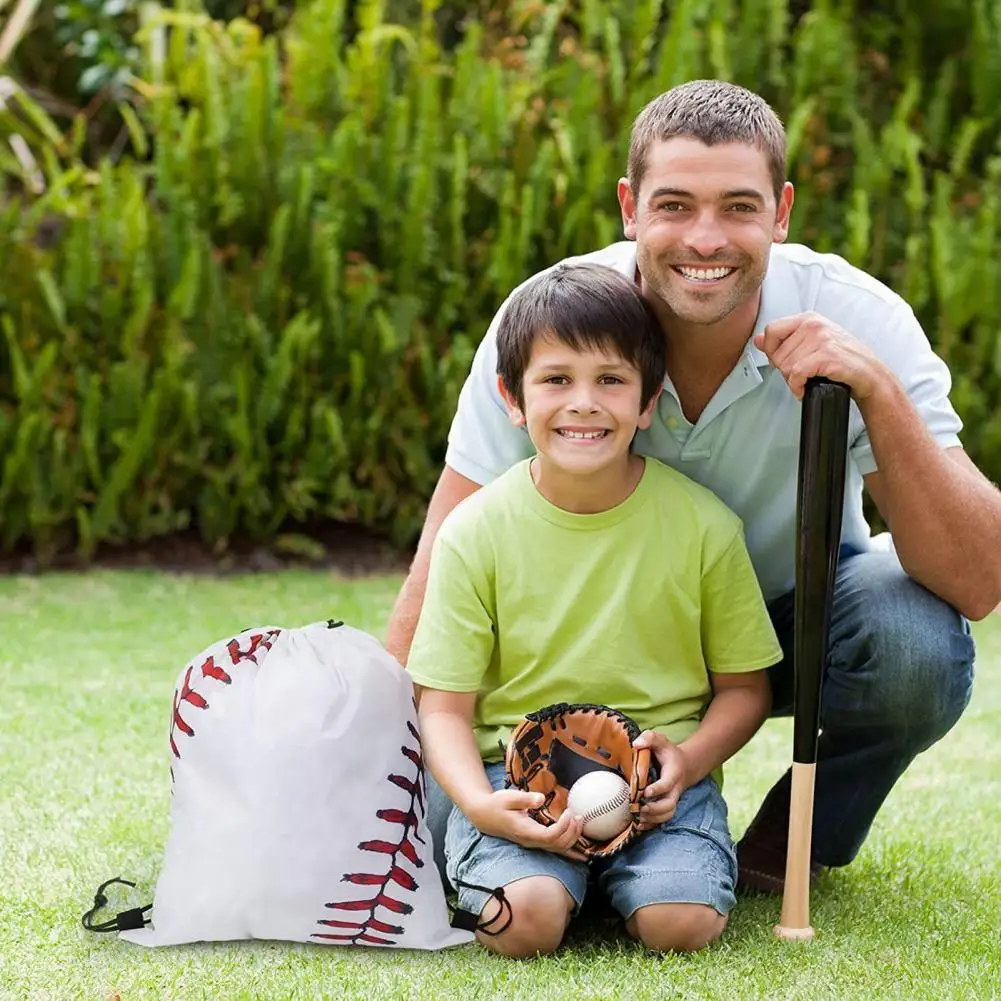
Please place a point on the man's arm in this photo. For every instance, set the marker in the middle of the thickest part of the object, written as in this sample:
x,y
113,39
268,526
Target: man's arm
x,y
451,489
943,513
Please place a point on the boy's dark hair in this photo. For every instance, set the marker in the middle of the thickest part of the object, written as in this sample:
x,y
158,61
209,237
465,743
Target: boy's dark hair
x,y
584,306
711,111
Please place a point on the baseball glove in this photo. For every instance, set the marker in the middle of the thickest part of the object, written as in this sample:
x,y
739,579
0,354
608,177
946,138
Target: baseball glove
x,y
553,747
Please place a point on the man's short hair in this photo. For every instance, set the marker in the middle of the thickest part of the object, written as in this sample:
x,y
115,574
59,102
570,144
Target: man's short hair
x,y
584,306
713,112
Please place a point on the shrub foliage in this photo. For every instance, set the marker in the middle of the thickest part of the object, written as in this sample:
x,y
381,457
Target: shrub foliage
x,y
263,312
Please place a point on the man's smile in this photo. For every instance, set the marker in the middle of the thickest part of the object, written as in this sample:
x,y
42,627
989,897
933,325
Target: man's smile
x,y
703,276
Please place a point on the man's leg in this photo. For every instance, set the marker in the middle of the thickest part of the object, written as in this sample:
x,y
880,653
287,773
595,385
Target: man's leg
x,y
899,675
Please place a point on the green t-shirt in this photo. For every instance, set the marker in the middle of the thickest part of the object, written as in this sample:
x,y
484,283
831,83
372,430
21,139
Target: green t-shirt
x,y
528,604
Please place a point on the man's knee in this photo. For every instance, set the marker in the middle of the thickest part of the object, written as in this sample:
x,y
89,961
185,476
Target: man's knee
x,y
676,927
540,912
900,656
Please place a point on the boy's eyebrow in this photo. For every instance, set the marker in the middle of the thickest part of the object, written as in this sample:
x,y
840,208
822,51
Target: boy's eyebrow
x,y
749,193
604,366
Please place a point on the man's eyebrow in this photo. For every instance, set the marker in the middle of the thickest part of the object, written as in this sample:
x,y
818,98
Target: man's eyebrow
x,y
749,193
663,192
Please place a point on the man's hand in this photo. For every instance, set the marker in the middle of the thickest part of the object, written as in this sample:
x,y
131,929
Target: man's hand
x,y
661,797
504,814
807,345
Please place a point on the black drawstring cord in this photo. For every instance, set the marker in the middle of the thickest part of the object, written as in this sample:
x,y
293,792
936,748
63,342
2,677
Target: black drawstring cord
x,y
124,920
468,921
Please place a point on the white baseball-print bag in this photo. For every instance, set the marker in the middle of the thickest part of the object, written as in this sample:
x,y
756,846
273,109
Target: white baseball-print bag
x,y
298,799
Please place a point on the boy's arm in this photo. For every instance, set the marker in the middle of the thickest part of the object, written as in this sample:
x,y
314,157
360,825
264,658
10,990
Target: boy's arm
x,y
452,648
738,643
740,704
450,750
454,760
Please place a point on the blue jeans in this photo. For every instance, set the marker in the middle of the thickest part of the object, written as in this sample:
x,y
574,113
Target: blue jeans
x,y
689,859
899,675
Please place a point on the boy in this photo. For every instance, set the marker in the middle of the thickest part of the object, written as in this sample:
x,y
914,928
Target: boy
x,y
590,574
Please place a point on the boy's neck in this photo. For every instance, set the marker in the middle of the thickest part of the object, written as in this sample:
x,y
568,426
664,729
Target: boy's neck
x,y
587,494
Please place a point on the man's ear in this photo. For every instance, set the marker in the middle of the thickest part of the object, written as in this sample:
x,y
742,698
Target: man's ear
x,y
646,415
514,411
627,204
782,214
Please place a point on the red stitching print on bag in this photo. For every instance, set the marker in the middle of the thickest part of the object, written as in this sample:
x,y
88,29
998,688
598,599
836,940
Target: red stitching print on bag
x,y
395,876
209,669
260,640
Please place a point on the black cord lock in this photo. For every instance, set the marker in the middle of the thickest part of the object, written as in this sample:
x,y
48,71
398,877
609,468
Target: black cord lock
x,y
124,920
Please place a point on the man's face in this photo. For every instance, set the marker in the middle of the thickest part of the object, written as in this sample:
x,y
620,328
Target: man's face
x,y
581,408
704,221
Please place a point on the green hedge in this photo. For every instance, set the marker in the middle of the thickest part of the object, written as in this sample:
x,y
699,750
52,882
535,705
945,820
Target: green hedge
x,y
264,313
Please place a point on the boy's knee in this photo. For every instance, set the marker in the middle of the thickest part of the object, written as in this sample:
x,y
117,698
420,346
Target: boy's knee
x,y
540,912
676,927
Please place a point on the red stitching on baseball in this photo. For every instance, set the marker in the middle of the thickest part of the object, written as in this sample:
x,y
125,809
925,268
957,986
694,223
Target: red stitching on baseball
x,y
619,799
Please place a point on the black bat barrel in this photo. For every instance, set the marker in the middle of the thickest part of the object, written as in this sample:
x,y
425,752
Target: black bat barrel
x,y
823,452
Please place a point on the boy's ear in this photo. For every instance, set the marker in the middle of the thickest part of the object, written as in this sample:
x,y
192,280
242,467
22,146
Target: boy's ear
x,y
646,415
514,411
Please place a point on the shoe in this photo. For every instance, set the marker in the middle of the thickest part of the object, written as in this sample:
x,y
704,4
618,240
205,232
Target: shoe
x,y
761,852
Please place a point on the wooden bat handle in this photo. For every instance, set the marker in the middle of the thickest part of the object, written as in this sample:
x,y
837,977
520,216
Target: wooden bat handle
x,y
794,922
819,507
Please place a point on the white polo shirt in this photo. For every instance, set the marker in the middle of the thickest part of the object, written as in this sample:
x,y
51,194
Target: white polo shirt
x,y
745,445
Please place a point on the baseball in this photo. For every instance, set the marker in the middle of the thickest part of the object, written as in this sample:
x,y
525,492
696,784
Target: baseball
x,y
602,799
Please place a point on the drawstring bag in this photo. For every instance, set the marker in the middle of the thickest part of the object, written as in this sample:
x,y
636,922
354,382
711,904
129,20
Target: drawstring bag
x,y
298,806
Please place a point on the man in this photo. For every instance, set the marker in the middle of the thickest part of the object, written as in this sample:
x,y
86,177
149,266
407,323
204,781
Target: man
x,y
705,210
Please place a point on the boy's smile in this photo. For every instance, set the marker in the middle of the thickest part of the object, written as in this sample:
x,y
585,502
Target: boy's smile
x,y
583,434
581,409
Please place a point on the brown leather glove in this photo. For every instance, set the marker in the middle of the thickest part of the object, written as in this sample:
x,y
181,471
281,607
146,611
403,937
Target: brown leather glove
x,y
553,747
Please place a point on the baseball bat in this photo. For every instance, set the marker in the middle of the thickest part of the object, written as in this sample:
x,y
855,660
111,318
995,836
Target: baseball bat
x,y
823,453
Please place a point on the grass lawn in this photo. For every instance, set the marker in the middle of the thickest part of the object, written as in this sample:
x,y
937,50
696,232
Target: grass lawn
x,y
88,665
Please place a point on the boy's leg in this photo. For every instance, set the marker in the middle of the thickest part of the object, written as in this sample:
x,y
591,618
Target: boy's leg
x,y
540,908
542,890
674,885
899,675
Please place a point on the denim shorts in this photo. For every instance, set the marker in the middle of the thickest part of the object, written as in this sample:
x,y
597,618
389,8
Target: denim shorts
x,y
689,859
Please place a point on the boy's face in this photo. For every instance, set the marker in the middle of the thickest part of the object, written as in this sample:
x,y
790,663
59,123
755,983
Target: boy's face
x,y
581,408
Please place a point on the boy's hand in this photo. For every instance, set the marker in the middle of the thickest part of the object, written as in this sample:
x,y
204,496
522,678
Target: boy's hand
x,y
504,814
661,797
